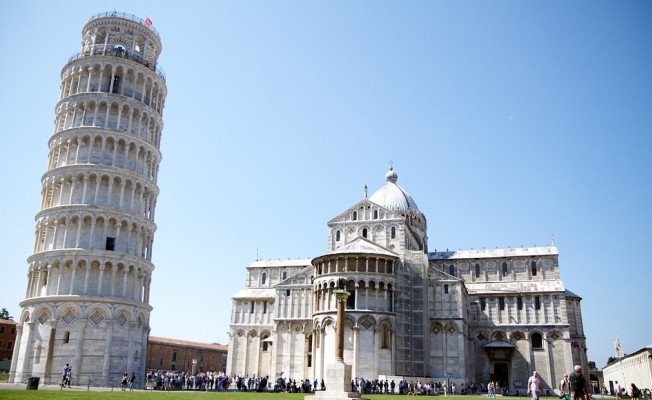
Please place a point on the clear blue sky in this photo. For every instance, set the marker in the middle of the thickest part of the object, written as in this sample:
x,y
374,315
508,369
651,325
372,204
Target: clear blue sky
x,y
508,122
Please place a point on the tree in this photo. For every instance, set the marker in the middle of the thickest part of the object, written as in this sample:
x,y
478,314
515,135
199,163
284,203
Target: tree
x,y
4,314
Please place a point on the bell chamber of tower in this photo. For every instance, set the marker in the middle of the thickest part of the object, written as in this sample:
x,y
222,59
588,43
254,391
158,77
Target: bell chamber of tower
x,y
87,297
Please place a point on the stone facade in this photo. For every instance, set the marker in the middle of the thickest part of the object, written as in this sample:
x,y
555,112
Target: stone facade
x,y
87,299
458,316
7,339
181,355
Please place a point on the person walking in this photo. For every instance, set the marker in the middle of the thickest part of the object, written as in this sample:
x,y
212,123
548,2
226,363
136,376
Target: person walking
x,y
564,387
123,382
579,390
534,385
132,379
69,377
65,375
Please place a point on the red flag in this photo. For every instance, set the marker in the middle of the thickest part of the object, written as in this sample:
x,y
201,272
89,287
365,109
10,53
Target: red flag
x,y
148,22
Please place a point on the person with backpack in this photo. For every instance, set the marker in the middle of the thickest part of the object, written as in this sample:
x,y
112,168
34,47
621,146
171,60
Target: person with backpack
x,y
564,387
579,390
635,393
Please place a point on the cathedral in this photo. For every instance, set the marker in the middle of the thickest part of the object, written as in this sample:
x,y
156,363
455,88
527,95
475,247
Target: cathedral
x,y
466,316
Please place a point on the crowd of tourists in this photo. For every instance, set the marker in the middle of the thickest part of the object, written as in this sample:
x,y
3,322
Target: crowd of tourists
x,y
174,380
416,387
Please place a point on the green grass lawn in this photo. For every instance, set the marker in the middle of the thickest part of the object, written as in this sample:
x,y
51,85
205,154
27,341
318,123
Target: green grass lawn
x,y
139,394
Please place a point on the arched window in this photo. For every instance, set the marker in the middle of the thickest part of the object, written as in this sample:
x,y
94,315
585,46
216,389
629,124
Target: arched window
x,y
355,215
375,214
477,270
504,269
263,278
386,338
393,232
537,342
265,342
337,236
364,232
451,269
533,265
285,275
37,355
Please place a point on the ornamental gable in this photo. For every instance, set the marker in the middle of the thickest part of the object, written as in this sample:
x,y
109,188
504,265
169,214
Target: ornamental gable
x,y
365,210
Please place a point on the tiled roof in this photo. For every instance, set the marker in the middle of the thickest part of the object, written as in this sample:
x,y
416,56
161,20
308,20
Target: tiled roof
x,y
186,343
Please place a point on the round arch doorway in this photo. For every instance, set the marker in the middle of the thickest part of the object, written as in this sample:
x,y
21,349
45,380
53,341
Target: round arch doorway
x,y
501,375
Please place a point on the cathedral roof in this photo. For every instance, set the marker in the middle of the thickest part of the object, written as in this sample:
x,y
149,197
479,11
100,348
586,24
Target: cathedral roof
x,y
392,196
568,293
298,262
494,253
254,293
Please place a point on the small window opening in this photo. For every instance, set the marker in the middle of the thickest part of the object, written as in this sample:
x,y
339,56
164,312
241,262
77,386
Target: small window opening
x,y
263,278
364,233
537,341
537,303
251,309
337,236
483,304
375,214
445,289
519,303
66,337
110,244
350,301
477,270
501,303
355,215
504,269
534,268
393,232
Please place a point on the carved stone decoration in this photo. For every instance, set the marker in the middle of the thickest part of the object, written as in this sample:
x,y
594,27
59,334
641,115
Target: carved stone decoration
x,y
519,266
490,266
464,268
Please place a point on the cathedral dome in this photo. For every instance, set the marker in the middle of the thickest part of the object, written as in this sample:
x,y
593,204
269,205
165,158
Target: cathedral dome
x,y
392,196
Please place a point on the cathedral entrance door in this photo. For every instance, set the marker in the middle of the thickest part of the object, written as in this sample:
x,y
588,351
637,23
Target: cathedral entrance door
x,y
501,374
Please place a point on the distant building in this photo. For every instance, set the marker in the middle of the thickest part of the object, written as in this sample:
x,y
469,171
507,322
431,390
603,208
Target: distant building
x,y
633,368
182,355
458,316
7,342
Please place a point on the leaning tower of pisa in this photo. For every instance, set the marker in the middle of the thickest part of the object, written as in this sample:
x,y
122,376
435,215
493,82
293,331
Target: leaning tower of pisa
x,y
87,297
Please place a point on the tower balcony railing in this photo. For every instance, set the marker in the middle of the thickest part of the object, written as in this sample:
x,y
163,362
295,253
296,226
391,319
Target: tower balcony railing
x,y
119,52
125,16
